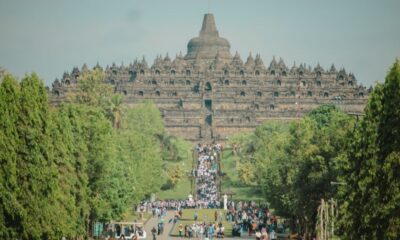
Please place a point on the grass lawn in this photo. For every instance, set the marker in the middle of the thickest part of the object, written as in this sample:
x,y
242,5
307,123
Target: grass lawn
x,y
205,215
182,189
231,181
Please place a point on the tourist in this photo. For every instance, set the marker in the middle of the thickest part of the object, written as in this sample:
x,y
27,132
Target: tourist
x,y
186,230
122,237
258,235
190,231
154,233
273,235
180,229
211,231
220,231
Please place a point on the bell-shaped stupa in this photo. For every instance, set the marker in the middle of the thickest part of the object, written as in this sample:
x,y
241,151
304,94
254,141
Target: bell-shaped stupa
x,y
209,43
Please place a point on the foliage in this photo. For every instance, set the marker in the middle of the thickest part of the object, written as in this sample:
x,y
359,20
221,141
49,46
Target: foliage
x,y
184,159
238,141
231,181
87,160
61,131
9,142
175,174
294,163
36,172
116,110
91,89
170,149
370,199
28,174
145,118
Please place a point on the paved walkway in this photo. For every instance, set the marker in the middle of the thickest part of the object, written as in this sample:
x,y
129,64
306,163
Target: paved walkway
x,y
167,226
214,238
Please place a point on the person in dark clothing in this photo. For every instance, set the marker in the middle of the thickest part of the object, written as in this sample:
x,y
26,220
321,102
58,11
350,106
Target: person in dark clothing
x,y
154,233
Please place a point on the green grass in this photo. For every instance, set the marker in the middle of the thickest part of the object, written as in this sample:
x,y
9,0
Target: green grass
x,y
205,215
231,181
182,189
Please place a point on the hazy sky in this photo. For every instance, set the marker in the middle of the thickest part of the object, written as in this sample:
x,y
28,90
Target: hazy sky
x,y
52,36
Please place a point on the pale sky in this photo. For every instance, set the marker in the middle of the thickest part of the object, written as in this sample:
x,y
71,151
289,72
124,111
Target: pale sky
x,y
52,36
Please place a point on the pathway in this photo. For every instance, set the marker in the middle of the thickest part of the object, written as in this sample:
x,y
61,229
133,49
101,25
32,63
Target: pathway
x,y
152,222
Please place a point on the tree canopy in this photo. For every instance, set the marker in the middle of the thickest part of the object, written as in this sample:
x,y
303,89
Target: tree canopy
x,y
89,159
294,163
370,198
331,155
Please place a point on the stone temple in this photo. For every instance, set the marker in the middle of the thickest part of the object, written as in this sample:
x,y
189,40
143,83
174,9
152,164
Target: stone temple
x,y
210,93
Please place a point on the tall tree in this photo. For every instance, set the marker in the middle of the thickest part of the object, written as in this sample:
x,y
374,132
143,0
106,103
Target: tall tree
x,y
321,161
62,146
99,138
79,163
91,90
295,163
389,156
146,118
36,172
65,168
116,110
10,209
371,197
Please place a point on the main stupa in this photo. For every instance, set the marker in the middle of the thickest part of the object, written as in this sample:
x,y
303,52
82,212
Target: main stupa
x,y
208,44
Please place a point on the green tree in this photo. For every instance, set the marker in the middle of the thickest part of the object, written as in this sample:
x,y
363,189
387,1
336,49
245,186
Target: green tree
x,y
388,141
321,161
99,139
10,209
36,172
116,110
145,118
91,90
77,116
371,197
144,125
295,163
81,162
175,173
62,146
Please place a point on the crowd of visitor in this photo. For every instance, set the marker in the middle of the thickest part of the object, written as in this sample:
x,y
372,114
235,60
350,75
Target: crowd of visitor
x,y
252,220
201,230
149,206
206,173
247,218
161,206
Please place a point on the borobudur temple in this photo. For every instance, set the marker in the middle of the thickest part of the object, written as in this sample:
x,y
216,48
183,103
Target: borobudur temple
x,y
210,94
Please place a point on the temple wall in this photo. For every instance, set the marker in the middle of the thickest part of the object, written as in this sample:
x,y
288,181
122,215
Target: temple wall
x,y
207,95
188,133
